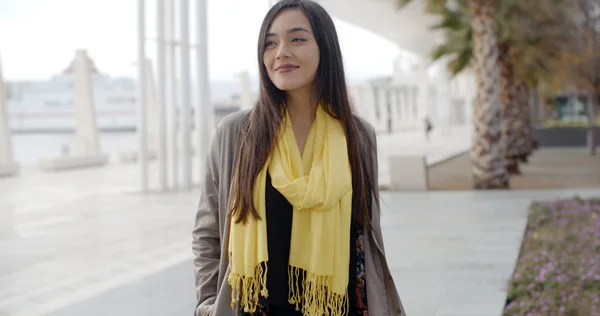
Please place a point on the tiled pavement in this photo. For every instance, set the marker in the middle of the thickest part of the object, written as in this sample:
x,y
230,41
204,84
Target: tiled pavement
x,y
85,243
129,254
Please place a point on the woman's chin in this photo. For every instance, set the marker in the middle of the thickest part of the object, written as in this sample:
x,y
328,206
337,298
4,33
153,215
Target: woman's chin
x,y
286,86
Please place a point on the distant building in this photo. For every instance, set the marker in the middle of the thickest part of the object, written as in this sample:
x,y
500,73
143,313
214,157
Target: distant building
x,y
48,106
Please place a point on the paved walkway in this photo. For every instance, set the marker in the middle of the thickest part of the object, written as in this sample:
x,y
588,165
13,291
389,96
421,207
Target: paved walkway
x,y
447,261
84,240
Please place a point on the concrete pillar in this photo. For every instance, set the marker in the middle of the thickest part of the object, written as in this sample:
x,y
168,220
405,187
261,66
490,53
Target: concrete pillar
x,y
444,99
8,166
172,94
152,122
161,97
407,107
152,112
395,108
186,93
87,140
205,115
423,108
246,97
469,86
142,95
370,100
412,95
382,105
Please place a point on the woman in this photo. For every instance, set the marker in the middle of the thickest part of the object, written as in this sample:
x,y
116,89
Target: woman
x,y
288,219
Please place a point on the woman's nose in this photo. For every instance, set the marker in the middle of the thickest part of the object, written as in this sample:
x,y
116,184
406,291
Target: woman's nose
x,y
283,51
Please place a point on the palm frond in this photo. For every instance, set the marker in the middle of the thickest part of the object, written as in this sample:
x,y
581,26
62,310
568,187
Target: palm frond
x,y
450,20
435,6
460,63
401,3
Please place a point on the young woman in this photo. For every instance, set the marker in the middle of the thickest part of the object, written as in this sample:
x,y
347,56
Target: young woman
x,y
288,220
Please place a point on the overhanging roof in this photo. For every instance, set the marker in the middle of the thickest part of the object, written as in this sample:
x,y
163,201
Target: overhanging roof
x,y
408,28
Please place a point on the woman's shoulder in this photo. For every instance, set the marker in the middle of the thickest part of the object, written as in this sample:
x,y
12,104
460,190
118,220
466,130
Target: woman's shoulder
x,y
232,120
367,127
230,125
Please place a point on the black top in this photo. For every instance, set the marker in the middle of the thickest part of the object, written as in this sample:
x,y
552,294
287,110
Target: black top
x,y
279,213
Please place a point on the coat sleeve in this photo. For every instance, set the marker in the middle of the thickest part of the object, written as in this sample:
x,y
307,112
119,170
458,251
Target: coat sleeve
x,y
205,236
375,206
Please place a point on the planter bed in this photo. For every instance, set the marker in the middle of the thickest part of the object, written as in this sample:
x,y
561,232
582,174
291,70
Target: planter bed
x,y
558,270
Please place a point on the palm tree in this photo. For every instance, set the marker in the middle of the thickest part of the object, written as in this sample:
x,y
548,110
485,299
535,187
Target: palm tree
x,y
523,56
535,32
488,163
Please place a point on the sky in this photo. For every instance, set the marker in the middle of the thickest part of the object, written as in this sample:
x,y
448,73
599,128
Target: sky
x,y
38,38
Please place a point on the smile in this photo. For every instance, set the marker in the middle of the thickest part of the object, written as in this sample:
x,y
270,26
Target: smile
x,y
286,68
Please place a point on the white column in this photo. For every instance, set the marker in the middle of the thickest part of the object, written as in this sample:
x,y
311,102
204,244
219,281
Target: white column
x,y
246,97
468,93
413,97
161,50
445,99
407,107
86,133
395,108
411,114
141,128
423,108
7,163
171,91
383,108
369,97
205,110
152,112
186,97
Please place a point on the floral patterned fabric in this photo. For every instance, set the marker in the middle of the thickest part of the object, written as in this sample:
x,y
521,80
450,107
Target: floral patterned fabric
x,y
361,285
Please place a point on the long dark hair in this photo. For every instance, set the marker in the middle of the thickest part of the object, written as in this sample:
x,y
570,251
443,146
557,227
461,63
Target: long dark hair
x,y
259,131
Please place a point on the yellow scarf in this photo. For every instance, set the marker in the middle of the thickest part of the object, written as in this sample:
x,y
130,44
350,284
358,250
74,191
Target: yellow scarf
x,y
318,184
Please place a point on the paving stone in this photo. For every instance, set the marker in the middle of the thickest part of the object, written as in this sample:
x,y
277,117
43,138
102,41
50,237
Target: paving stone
x,y
75,236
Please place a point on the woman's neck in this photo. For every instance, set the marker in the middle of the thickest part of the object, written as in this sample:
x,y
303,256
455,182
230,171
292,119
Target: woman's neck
x,y
302,107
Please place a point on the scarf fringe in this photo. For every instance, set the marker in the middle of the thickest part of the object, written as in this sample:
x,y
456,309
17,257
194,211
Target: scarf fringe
x,y
245,289
308,291
315,295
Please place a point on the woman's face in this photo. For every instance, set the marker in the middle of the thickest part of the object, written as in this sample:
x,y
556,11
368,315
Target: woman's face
x,y
291,52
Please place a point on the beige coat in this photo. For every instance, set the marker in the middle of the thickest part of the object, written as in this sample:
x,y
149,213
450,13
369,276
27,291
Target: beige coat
x,y
211,234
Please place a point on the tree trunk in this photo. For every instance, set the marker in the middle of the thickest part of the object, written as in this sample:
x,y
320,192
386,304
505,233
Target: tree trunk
x,y
525,138
489,166
534,117
509,110
591,131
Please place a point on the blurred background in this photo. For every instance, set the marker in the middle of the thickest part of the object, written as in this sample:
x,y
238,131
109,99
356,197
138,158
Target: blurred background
x,y
486,114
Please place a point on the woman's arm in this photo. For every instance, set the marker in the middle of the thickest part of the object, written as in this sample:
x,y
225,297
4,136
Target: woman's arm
x,y
373,161
206,244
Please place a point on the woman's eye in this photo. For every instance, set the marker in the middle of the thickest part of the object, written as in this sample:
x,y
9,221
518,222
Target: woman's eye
x,y
298,39
267,44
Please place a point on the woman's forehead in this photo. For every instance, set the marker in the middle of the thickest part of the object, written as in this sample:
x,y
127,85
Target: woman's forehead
x,y
288,21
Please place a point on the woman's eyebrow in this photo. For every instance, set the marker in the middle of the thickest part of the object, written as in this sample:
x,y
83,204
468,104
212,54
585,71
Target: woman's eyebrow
x,y
292,30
